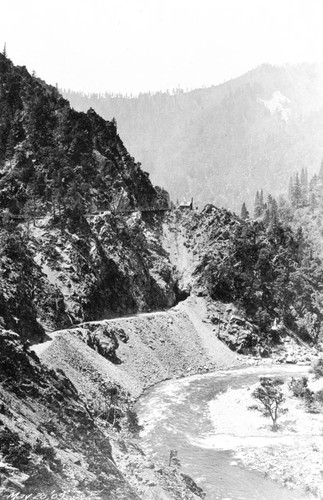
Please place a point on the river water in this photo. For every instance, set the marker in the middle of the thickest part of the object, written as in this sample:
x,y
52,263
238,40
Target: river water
x,y
176,415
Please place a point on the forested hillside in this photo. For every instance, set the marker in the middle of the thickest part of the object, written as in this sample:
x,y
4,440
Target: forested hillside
x,y
295,217
300,206
53,156
63,165
265,266
221,144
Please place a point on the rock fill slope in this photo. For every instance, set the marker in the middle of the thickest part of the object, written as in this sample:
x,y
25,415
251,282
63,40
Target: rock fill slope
x,y
47,433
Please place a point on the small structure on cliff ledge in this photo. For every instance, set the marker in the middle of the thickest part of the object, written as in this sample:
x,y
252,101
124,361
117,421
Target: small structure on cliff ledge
x,y
186,206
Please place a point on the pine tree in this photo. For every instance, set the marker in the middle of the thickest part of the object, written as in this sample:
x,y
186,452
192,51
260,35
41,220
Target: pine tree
x,y
313,183
272,212
244,212
291,190
313,202
320,174
257,206
115,125
266,218
28,213
4,53
304,186
10,147
261,201
272,205
297,192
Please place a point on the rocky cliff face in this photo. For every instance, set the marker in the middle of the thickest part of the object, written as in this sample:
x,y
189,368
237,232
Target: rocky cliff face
x,y
107,265
28,300
57,169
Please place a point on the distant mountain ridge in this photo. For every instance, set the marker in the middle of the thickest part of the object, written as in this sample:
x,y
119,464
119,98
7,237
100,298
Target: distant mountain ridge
x,y
221,144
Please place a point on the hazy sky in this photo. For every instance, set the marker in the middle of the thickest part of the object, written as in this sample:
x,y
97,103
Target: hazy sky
x,y
138,45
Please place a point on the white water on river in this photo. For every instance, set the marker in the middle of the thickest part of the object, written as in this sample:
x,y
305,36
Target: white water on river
x,y
177,414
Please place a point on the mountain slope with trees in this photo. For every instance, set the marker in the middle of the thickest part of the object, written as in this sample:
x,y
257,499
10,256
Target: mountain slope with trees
x,y
221,144
64,165
263,266
300,211
53,156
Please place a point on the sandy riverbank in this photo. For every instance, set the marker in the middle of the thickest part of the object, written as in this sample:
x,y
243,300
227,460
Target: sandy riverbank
x,y
292,455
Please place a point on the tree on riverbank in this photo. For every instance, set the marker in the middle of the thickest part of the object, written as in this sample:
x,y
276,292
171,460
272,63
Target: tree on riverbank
x,y
270,397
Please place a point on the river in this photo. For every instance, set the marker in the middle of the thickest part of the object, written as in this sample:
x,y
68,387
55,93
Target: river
x,y
176,415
